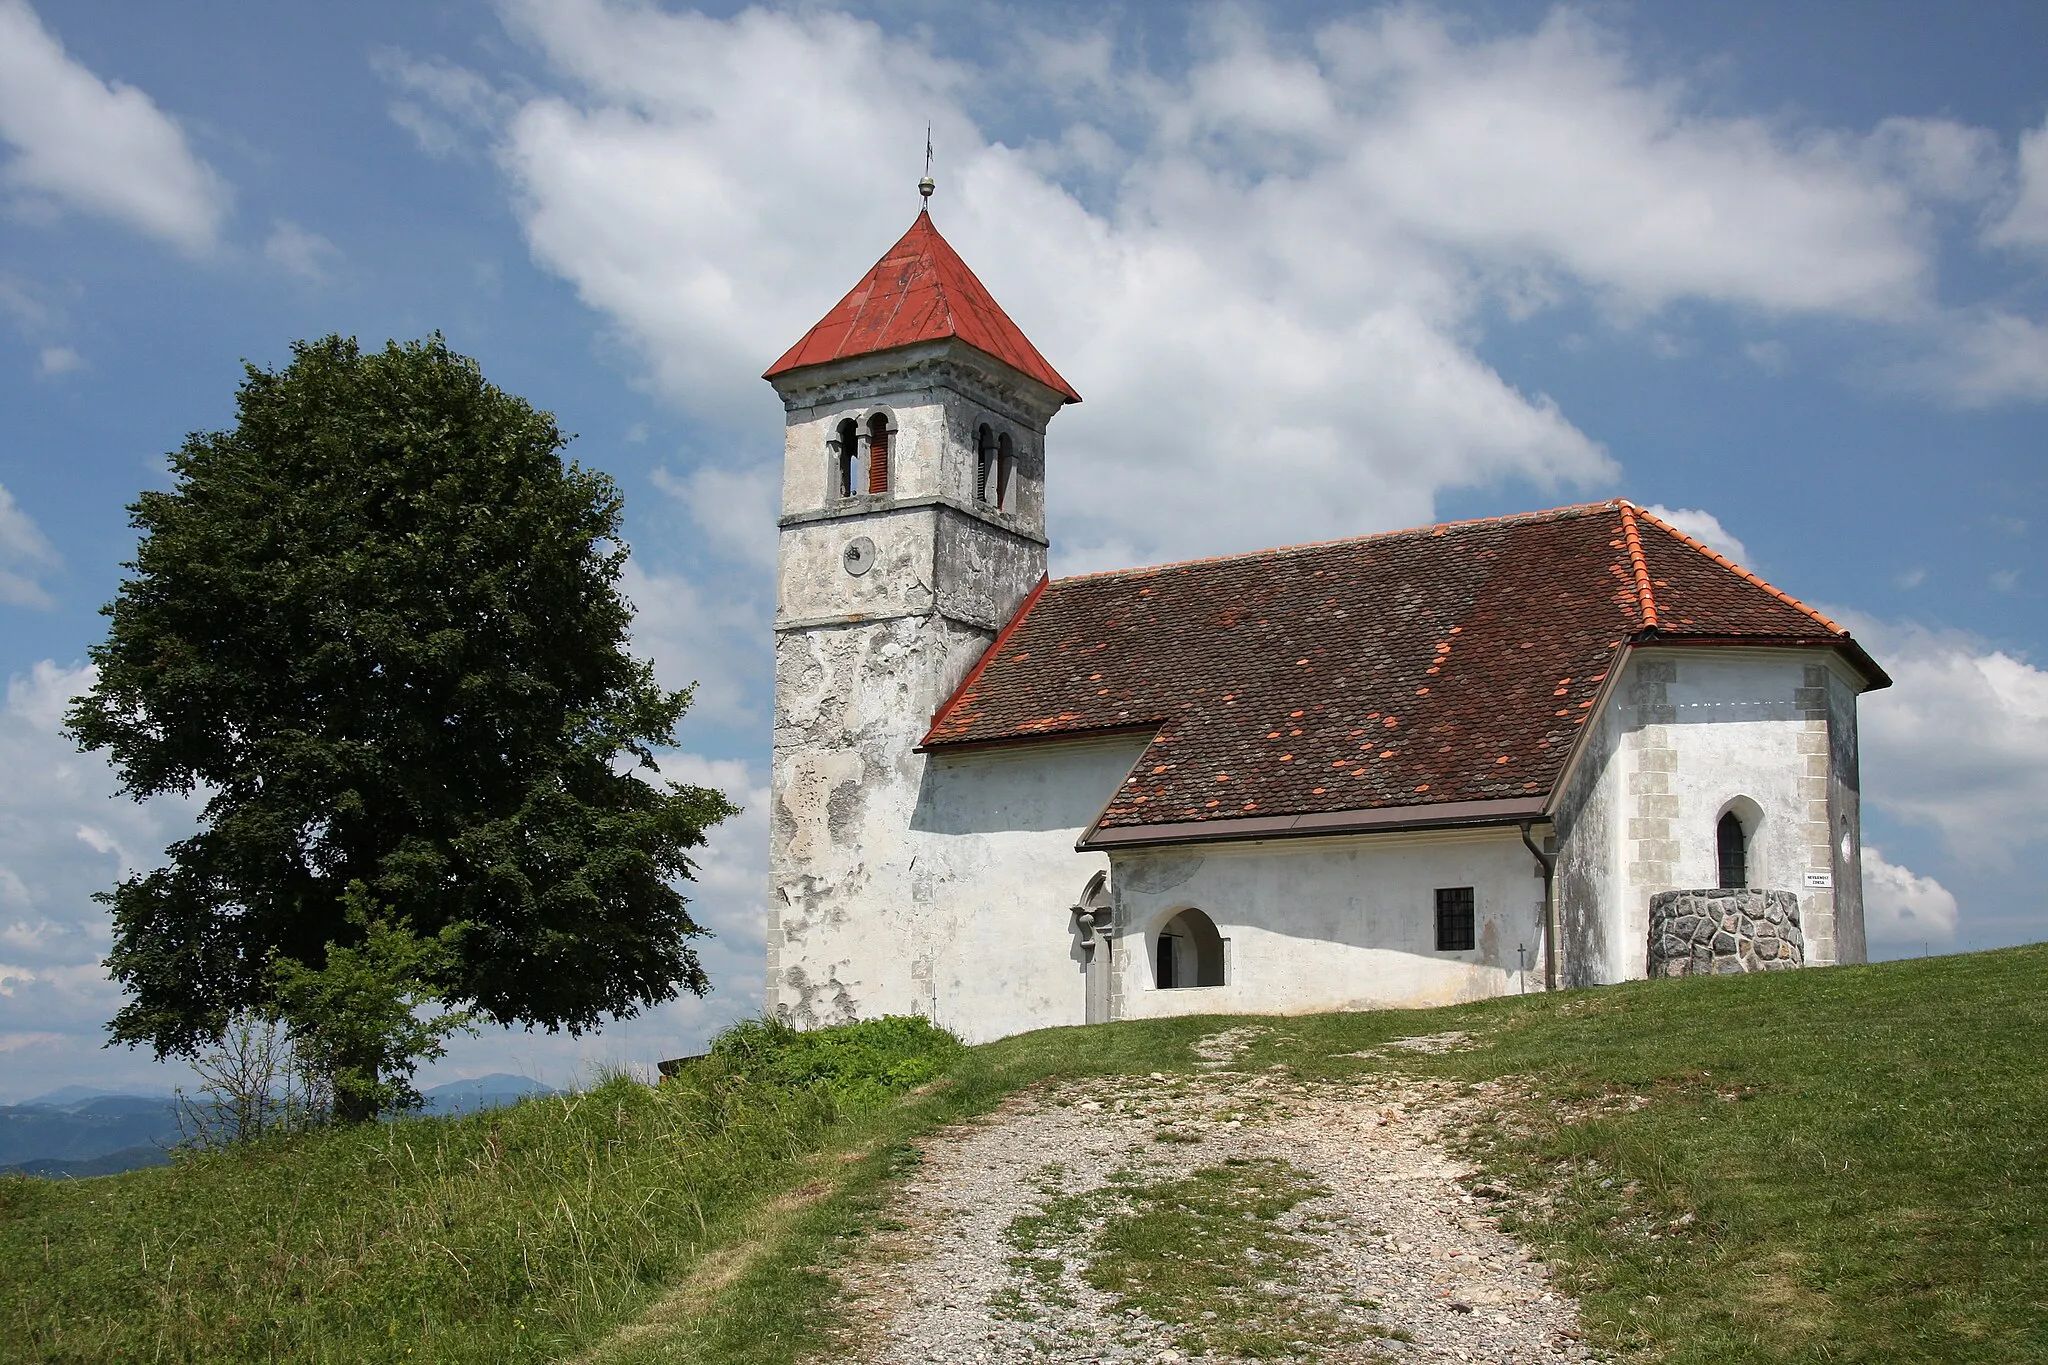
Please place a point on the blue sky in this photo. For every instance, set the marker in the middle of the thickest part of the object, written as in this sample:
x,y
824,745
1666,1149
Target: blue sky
x,y
1318,270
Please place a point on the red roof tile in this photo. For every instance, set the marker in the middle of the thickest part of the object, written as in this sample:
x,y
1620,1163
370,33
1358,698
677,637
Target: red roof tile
x,y
920,291
1454,663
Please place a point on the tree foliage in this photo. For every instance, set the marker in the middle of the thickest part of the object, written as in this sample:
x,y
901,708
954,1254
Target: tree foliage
x,y
378,626
361,1023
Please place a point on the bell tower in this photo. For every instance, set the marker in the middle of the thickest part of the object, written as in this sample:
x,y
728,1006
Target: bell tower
x,y
912,530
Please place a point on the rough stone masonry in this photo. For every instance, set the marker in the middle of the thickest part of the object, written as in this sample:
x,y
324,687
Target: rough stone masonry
x,y
1698,933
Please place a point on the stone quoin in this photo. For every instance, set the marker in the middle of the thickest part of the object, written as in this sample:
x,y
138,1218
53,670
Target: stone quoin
x,y
1404,769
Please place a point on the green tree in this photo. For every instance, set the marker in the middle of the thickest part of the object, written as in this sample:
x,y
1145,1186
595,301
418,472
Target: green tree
x,y
378,627
355,1023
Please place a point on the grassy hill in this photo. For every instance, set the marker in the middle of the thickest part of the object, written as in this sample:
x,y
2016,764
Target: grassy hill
x,y
1843,1165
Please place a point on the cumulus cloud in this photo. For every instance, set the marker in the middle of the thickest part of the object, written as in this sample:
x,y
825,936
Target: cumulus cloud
x,y
101,147
1985,357
300,252
733,508
1266,272
64,834
55,360
444,106
24,554
1704,527
714,634
1959,743
1900,907
2025,222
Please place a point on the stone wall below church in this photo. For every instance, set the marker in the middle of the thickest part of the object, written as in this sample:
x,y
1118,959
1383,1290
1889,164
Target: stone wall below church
x,y
1724,931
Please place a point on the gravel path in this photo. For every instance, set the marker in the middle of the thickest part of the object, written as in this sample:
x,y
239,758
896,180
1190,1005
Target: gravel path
x,y
1402,1261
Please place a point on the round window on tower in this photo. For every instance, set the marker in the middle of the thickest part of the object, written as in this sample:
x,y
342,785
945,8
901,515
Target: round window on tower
x,y
859,556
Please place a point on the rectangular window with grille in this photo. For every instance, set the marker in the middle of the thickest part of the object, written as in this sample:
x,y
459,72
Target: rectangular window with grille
x,y
1454,930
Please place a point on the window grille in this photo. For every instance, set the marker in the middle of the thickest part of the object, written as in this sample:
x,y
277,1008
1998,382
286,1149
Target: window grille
x,y
1454,916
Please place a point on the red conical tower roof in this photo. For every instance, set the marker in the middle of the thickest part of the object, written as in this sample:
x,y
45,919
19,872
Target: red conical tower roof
x,y
920,291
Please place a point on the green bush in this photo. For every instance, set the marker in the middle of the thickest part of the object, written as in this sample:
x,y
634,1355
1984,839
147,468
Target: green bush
x,y
858,1065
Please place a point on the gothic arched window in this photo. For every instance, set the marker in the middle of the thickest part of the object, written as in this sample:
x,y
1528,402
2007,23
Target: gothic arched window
x,y
1006,462
878,454
984,464
846,459
1731,843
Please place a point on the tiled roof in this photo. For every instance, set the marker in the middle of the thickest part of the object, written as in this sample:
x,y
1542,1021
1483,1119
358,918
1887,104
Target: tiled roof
x,y
920,291
1450,664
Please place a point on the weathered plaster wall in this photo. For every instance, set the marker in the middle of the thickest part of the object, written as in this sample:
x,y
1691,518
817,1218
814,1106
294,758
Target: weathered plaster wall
x,y
877,905
1327,924
936,885
1589,829
994,833
1706,731
1845,818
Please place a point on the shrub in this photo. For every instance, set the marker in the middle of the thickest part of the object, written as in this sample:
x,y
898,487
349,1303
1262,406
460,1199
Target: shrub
x,y
858,1065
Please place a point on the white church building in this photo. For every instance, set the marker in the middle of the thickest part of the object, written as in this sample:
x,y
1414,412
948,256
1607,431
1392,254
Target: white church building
x,y
1406,769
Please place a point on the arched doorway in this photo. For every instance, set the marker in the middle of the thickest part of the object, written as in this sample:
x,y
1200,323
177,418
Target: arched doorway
x,y
1189,952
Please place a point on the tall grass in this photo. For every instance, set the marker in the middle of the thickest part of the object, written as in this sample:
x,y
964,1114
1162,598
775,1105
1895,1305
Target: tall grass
x,y
519,1234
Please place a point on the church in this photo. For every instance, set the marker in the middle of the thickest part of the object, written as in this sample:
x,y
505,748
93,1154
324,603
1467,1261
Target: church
x,y
1528,752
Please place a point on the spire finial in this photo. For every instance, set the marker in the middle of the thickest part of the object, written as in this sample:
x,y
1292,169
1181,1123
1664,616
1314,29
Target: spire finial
x,y
926,185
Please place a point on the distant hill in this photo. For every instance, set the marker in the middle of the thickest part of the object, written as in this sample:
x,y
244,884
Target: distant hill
x,y
80,1131
494,1091
90,1129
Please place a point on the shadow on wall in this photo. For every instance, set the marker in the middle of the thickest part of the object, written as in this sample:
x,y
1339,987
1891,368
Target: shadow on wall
x,y
1047,788
1189,952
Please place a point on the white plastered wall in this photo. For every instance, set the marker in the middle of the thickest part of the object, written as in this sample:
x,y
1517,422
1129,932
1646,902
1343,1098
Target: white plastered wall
x,y
1329,924
944,888
1688,734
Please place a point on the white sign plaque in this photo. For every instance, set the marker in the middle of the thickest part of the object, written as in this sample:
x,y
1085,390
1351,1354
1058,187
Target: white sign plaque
x,y
1820,880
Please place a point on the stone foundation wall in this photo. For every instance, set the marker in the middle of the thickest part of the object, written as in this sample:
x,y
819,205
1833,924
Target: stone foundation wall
x,y
1700,933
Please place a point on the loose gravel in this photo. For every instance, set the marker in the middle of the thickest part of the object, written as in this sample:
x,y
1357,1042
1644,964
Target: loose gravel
x,y
1405,1256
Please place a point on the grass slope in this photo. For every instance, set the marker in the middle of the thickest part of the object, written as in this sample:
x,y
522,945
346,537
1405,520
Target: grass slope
x,y
1848,1165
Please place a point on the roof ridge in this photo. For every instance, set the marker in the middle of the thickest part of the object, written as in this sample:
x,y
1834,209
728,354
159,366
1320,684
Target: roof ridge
x,y
995,645
1725,562
1577,509
1642,568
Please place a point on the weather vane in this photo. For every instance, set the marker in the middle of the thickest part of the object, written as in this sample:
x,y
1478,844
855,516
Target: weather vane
x,y
926,186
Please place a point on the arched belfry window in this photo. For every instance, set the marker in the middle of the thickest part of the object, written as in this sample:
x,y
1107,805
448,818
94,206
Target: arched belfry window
x,y
984,464
846,460
1731,843
1189,953
878,454
1006,466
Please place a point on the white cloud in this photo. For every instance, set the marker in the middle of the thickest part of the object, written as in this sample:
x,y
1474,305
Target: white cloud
x,y
1983,358
1959,743
300,252
2025,223
1271,288
735,509
1939,158
1704,527
714,633
100,147
24,553
1901,907
56,360
445,107
64,834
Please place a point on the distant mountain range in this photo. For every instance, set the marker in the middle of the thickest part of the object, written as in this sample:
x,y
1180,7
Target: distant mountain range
x,y
80,1131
